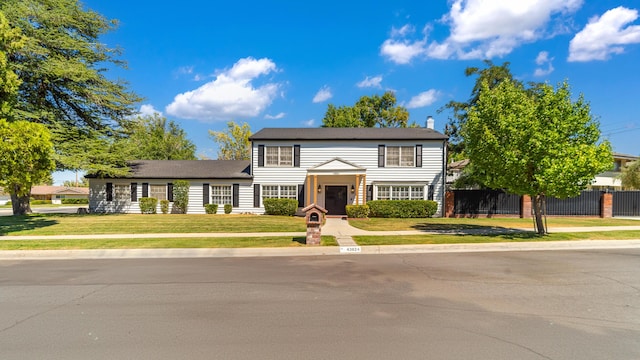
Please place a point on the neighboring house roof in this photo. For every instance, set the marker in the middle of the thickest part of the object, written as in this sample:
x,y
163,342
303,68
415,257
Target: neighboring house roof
x,y
188,169
625,156
347,134
58,190
458,165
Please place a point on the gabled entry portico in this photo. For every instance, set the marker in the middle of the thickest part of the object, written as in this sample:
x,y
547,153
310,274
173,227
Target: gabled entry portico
x,y
335,184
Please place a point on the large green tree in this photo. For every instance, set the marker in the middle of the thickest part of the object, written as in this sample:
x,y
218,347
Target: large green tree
x,y
491,75
534,141
369,111
152,137
27,159
61,67
233,144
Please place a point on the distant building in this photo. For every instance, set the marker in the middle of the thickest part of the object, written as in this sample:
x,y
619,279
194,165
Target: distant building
x,y
609,180
57,193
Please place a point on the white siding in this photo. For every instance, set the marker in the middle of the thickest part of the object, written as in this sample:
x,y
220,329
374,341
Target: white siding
x,y
361,153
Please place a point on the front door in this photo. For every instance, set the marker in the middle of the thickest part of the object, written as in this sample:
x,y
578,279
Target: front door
x,y
335,199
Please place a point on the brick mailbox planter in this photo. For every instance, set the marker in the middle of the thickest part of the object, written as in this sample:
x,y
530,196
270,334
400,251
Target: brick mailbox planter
x,y
313,217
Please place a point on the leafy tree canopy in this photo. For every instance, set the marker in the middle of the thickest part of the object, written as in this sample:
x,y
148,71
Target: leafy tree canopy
x,y
233,144
371,111
534,141
630,176
492,75
26,160
152,137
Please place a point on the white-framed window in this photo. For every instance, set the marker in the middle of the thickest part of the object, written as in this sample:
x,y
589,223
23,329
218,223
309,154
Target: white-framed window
x,y
400,192
280,191
278,156
158,191
221,194
121,192
400,156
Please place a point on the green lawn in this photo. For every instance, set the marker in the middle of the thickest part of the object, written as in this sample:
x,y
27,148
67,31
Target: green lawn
x,y
475,239
162,243
382,224
72,224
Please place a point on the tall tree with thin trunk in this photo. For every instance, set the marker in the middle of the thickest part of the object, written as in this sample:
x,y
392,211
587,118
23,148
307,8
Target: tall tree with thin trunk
x,y
153,137
534,141
369,111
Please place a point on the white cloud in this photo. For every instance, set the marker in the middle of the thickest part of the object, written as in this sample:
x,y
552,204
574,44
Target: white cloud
x,y
148,109
368,82
275,117
423,99
323,94
309,123
483,29
605,35
543,59
403,31
231,95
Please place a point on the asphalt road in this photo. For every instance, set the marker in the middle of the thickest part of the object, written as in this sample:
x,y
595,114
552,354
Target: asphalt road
x,y
507,305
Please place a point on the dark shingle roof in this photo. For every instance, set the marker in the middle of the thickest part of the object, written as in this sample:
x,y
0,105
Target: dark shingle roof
x,y
347,134
189,169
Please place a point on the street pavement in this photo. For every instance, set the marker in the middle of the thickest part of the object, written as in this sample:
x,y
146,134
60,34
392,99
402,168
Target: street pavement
x,y
491,305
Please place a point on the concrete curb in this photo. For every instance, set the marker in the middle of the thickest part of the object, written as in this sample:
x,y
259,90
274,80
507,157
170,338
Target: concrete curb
x,y
313,251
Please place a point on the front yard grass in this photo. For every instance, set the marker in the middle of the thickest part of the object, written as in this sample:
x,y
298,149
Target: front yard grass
x,y
384,224
162,243
72,224
492,238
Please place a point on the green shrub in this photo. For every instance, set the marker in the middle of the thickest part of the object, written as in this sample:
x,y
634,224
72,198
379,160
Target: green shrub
x,y
148,205
211,208
402,208
286,207
164,206
40,202
75,201
8,203
228,208
357,211
180,196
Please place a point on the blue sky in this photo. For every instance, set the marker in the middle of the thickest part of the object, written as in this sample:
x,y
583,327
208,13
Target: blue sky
x,y
202,63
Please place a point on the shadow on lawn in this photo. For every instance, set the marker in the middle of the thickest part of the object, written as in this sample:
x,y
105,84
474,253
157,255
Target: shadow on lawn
x,y
467,229
12,224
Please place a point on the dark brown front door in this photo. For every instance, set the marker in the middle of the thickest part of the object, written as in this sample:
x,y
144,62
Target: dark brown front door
x,y
335,199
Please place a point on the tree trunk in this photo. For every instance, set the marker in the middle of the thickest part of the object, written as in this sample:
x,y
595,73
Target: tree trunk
x,y
538,204
21,204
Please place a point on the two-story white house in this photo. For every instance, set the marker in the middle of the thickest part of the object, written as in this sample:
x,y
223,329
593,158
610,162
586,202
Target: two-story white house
x,y
331,167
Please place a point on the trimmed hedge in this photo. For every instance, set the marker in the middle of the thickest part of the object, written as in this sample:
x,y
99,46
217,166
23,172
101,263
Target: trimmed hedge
x,y
228,208
286,207
38,202
164,206
211,208
75,201
148,205
402,208
358,211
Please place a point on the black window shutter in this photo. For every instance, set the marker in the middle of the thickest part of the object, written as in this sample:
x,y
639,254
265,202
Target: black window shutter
x,y
369,192
145,189
134,192
205,194
430,193
296,155
260,155
380,155
170,192
109,191
236,195
418,155
256,195
300,195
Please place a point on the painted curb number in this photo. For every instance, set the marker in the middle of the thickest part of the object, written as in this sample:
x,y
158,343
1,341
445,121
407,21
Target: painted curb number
x,y
350,249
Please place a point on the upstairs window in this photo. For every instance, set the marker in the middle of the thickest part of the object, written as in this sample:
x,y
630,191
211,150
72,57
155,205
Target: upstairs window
x,y
400,156
278,156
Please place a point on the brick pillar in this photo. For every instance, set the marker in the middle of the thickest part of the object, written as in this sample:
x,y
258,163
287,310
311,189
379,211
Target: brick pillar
x,y
606,210
449,204
525,207
313,234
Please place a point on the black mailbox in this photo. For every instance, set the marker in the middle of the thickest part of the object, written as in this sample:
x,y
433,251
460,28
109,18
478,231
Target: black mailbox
x,y
314,217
